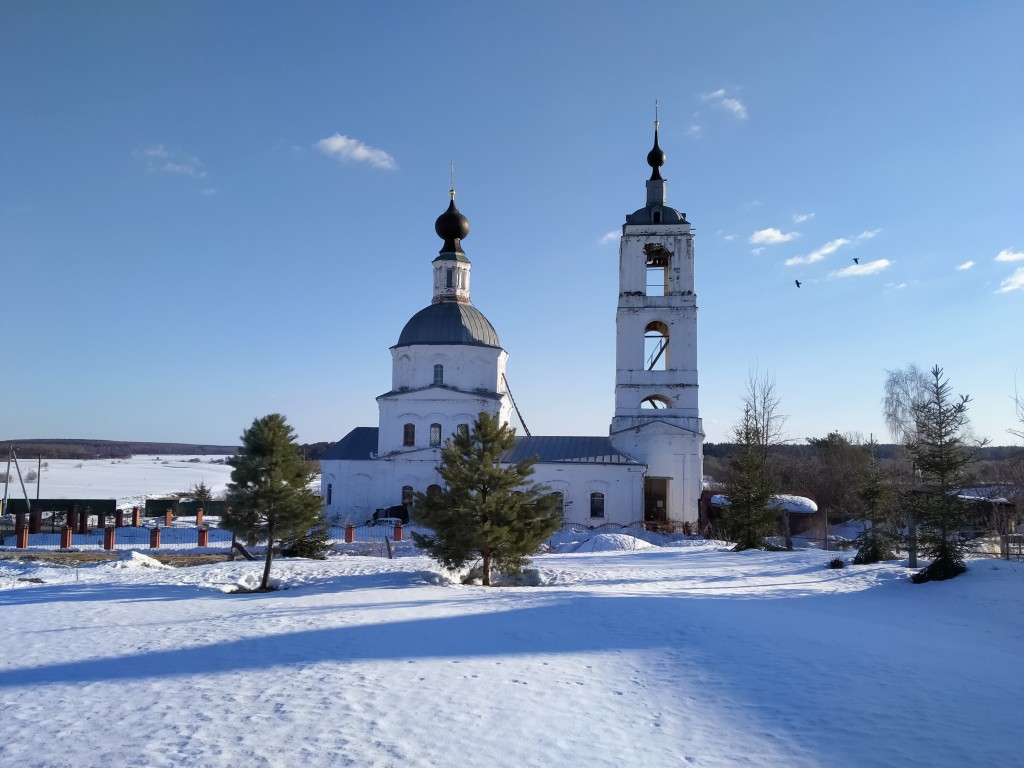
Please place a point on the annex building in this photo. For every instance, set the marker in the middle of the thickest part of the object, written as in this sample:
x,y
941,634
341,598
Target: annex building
x,y
449,365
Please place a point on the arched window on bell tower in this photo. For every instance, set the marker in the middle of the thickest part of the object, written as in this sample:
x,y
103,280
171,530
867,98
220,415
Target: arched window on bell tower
x,y
655,402
656,346
658,260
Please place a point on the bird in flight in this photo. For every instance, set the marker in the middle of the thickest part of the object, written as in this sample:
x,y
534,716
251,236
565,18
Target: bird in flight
x,y
797,283
856,260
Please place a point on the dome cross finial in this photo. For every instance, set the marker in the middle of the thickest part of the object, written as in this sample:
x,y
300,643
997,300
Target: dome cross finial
x,y
451,190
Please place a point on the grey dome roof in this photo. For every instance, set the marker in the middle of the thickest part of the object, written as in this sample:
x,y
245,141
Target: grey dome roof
x,y
449,322
646,215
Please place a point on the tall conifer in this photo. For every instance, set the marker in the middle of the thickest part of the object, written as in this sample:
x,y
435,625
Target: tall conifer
x,y
268,494
487,510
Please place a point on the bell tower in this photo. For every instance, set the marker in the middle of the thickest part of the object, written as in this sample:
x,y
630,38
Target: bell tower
x,y
656,416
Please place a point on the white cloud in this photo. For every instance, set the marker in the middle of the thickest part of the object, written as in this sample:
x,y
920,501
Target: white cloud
x,y
728,103
344,148
895,286
965,265
772,236
729,237
693,130
1014,282
736,107
868,234
208,191
800,218
757,251
862,270
609,237
1007,255
159,158
826,250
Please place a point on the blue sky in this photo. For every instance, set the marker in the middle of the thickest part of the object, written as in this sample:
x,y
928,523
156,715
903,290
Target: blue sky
x,y
211,211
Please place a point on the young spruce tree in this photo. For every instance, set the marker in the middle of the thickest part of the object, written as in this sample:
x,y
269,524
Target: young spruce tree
x,y
874,489
748,519
268,494
941,454
488,510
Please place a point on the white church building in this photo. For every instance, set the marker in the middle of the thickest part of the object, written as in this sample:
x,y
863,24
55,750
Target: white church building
x,y
449,365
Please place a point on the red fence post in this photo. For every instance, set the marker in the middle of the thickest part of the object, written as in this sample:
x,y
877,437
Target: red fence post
x,y
199,516
154,538
169,518
398,531
22,538
108,538
72,521
101,520
204,537
119,519
65,537
83,520
19,521
35,519
350,533
136,517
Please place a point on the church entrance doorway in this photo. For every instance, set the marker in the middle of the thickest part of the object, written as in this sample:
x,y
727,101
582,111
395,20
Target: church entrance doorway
x,y
656,500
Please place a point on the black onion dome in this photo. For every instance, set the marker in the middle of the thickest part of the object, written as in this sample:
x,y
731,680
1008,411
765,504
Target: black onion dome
x,y
656,157
451,226
449,322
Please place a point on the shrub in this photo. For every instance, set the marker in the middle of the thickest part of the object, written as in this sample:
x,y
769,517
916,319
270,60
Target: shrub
x,y
873,547
836,562
940,570
314,545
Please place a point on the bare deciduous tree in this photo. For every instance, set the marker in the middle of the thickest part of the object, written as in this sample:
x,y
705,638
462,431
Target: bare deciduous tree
x,y
905,388
761,405
1018,403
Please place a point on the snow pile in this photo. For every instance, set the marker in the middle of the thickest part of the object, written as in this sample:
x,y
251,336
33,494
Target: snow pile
x,y
612,542
132,560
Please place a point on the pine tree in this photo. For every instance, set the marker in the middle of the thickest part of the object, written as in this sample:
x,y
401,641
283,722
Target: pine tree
x,y
941,454
747,519
268,494
488,510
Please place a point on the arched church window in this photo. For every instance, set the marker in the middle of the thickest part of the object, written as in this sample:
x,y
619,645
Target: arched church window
x,y
463,430
656,346
438,375
409,434
449,278
330,493
435,434
655,402
597,504
407,496
559,498
656,217
434,490
658,259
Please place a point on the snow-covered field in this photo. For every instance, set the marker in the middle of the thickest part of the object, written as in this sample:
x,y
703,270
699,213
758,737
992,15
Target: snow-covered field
x,y
659,656
131,481
627,654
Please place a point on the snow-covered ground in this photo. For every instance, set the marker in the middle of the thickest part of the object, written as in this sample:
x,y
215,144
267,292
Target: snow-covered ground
x,y
656,656
630,652
131,481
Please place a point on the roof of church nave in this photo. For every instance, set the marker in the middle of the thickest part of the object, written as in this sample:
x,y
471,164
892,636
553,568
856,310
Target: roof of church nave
x,y
361,445
450,322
